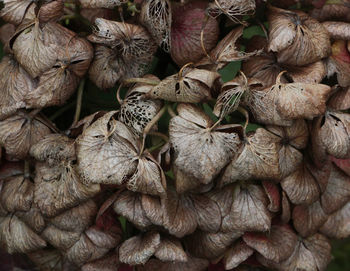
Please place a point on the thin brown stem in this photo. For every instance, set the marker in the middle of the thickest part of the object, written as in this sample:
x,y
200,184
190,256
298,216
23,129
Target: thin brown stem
x,y
183,68
79,102
202,36
120,101
246,115
171,112
158,134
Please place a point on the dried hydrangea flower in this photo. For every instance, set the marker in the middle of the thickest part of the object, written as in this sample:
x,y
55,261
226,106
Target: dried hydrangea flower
x,y
297,38
136,111
190,30
226,51
340,100
156,15
332,11
232,9
20,131
190,85
201,150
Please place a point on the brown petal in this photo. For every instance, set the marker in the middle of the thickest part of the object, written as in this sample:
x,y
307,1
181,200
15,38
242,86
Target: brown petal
x,y
208,213
298,100
232,9
200,152
273,194
223,198
6,32
311,74
301,186
60,239
103,238
192,86
20,131
153,209
53,148
50,259
277,245
297,38
226,51
156,15
17,194
136,111
338,30
106,60
170,250
286,209
51,11
236,255
14,10
108,263
338,11
313,253
249,210
340,100
148,177
128,204
210,245
337,193
258,159
106,151
138,249
76,219
307,219
33,218
59,188
179,215
337,224
16,236
36,49
100,3
193,264
15,84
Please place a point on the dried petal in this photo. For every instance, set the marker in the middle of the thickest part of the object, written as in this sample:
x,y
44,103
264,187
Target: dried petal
x,y
339,63
16,236
138,249
189,86
277,245
59,188
249,210
340,100
193,264
156,15
338,30
297,38
258,159
307,219
100,3
236,255
14,10
200,151
20,131
170,250
232,9
273,194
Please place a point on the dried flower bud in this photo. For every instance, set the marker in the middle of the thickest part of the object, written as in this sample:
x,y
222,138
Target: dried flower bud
x,y
297,38
200,150
188,22
156,15
189,86
20,131
232,9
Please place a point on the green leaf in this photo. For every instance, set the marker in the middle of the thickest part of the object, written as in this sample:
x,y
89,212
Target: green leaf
x,y
229,71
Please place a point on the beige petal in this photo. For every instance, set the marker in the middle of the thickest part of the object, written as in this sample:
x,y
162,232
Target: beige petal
x,y
170,250
258,159
249,210
33,218
210,245
153,209
20,131
128,204
14,10
199,151
337,225
156,16
308,219
104,237
17,237
223,198
59,188
60,239
17,194
106,151
138,249
236,255
192,86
